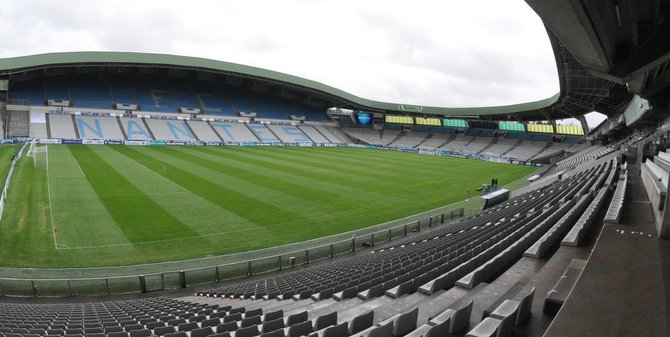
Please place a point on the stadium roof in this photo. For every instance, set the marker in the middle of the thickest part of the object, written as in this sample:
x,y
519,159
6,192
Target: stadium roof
x,y
616,47
335,97
589,80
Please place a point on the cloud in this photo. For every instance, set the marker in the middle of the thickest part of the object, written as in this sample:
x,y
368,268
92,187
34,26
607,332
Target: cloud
x,y
434,53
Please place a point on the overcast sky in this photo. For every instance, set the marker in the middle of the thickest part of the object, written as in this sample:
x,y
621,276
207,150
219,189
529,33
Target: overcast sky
x,y
450,53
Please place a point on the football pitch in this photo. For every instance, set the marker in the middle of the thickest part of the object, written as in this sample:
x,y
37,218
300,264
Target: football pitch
x,y
103,205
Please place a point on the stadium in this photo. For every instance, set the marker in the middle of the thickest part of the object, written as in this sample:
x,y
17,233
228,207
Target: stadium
x,y
162,195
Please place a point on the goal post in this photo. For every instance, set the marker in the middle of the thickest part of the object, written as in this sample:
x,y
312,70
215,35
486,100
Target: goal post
x,y
39,153
31,149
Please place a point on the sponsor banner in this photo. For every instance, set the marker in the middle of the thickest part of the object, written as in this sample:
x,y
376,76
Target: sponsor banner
x,y
175,142
329,144
213,143
498,160
157,142
305,144
114,142
49,141
70,141
136,142
93,141
428,152
248,144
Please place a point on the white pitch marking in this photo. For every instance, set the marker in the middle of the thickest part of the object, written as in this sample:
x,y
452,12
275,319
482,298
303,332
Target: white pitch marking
x,y
51,209
156,173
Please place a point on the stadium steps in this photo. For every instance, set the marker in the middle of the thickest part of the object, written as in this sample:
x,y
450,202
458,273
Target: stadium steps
x,y
428,136
110,92
306,135
335,132
401,134
48,126
351,308
146,126
451,137
253,133
214,130
74,125
494,141
325,136
546,147
18,124
273,133
191,92
188,126
518,143
473,139
303,128
123,131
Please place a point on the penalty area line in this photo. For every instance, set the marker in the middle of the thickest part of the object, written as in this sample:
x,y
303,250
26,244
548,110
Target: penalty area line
x,y
51,210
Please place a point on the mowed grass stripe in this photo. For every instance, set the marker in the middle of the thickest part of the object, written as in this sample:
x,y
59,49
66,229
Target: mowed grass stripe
x,y
389,203
215,187
359,170
26,233
251,184
382,193
140,218
286,179
79,216
381,160
358,204
413,164
416,168
198,213
6,155
388,180
369,184
357,164
386,193
302,202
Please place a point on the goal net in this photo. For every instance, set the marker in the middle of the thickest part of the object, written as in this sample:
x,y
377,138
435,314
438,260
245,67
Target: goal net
x,y
38,153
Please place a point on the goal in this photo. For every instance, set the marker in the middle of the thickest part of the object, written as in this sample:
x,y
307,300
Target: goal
x,y
37,152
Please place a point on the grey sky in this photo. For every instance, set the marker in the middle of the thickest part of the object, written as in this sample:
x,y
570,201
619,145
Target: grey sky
x,y
445,53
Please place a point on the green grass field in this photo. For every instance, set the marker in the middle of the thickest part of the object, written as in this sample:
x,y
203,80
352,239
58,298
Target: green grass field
x,y
80,206
6,155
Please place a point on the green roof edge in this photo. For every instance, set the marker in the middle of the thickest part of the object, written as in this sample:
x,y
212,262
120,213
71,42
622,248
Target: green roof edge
x,y
22,63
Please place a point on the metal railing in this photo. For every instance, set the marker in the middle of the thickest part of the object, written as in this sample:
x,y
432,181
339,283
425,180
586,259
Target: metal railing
x,y
95,286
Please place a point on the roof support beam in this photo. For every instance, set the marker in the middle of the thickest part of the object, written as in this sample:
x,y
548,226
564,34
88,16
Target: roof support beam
x,y
570,21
